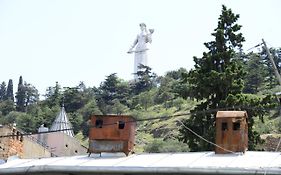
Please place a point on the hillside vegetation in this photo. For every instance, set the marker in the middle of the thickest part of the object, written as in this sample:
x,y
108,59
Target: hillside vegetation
x,y
224,78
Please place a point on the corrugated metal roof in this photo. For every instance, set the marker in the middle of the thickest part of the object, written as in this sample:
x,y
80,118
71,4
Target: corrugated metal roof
x,y
157,163
61,123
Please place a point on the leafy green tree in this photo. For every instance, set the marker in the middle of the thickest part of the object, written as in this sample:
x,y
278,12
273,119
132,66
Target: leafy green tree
x,y
90,109
178,84
178,103
73,99
26,122
276,54
177,74
11,117
118,108
32,94
146,80
144,100
7,106
53,96
124,92
10,91
87,93
3,91
164,92
256,73
87,111
20,96
76,120
43,114
77,97
111,89
108,88
216,75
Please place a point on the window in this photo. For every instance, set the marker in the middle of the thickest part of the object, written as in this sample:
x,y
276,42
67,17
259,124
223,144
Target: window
x,y
121,124
18,135
236,126
223,126
99,123
14,133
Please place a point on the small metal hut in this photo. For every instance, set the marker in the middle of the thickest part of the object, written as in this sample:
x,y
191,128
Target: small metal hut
x,y
112,133
231,131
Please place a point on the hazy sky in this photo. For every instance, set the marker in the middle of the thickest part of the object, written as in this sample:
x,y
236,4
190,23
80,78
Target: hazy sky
x,y
86,40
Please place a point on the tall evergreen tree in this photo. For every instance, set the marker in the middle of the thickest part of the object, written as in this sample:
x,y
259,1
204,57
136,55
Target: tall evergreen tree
x,y
10,91
32,94
164,91
3,91
216,75
53,96
73,99
180,86
109,87
146,79
256,73
113,88
276,54
21,96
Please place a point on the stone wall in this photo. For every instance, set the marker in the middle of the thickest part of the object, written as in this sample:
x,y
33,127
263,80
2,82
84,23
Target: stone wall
x,y
10,146
22,146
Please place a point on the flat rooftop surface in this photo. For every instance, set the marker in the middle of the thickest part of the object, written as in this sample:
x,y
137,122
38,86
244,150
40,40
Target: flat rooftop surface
x,y
252,162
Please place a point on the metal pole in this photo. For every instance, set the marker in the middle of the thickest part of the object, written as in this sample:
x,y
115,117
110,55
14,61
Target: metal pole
x,y
272,62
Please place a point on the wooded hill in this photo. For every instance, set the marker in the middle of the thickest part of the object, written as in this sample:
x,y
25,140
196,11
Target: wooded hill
x,y
224,77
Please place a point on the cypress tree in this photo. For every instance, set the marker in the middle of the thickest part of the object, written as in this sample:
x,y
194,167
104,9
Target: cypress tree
x,y
3,91
21,96
10,91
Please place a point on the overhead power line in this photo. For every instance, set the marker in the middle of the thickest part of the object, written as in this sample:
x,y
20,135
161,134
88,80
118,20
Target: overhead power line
x,y
255,46
147,119
202,138
37,133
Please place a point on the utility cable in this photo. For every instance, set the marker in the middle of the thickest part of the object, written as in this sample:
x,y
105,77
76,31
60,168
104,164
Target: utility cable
x,y
202,138
142,120
27,134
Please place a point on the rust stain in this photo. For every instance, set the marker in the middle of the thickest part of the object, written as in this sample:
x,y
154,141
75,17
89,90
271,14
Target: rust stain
x,y
231,131
112,133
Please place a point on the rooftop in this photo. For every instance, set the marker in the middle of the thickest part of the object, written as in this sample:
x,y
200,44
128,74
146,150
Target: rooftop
x,y
252,162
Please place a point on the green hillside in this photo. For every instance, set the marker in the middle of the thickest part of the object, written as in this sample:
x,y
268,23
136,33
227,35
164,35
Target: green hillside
x,y
224,77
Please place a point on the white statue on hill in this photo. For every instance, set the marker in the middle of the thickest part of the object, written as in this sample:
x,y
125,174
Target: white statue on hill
x,y
140,45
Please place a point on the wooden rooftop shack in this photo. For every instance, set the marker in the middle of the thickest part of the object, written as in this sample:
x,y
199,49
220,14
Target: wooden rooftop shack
x,y
112,133
231,131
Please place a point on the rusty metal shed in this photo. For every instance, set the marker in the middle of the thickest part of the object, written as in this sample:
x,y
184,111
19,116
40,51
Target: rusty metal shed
x,y
231,131
112,133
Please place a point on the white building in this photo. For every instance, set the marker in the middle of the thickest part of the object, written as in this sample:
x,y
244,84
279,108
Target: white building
x,y
157,163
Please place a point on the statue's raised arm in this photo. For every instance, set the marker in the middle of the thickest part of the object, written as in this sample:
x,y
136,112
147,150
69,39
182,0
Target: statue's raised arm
x,y
144,37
